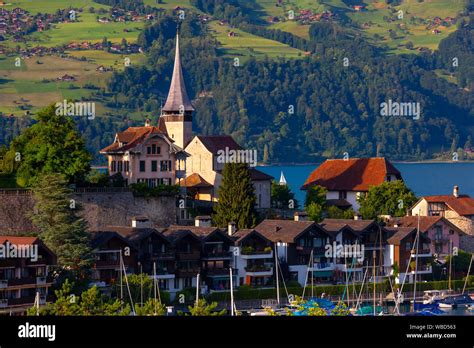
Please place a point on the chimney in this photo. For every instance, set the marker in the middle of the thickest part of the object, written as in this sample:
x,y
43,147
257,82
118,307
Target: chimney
x,y
202,221
456,191
300,216
231,228
356,217
147,122
140,222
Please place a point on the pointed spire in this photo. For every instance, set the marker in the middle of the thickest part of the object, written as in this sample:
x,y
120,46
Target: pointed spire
x,y
282,179
178,100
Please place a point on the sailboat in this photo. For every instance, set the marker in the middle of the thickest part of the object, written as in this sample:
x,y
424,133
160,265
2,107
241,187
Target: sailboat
x,y
463,300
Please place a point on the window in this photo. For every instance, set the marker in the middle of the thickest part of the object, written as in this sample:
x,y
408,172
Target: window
x,y
154,166
120,166
389,178
170,167
407,246
142,166
451,232
164,166
113,166
438,232
342,194
127,166
438,248
176,283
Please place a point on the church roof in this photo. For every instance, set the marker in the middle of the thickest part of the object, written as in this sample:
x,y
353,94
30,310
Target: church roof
x,y
177,96
215,143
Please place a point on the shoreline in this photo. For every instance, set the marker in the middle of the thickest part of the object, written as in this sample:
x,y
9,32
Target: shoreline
x,y
401,162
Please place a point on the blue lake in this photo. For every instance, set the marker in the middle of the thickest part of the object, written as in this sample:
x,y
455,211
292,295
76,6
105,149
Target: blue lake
x,y
423,178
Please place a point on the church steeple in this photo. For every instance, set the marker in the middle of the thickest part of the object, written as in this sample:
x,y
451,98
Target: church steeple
x,y
176,115
178,100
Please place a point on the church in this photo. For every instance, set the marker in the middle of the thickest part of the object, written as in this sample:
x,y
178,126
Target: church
x,y
170,153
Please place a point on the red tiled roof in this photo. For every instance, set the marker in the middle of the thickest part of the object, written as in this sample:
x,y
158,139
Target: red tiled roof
x,y
399,233
357,174
18,240
132,137
426,222
215,143
463,204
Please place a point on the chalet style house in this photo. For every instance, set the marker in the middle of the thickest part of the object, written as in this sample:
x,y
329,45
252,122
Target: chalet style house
x,y
169,154
24,280
347,180
456,208
443,234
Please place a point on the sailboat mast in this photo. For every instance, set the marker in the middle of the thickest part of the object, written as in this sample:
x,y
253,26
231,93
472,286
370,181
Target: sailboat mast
x,y
467,275
312,273
231,293
276,275
121,278
416,260
450,262
373,276
197,290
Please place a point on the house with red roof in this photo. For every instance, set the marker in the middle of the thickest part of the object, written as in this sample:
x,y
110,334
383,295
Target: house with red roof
x,y
458,209
347,179
444,235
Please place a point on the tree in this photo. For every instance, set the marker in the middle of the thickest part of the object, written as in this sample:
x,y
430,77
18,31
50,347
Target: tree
x,y
334,212
52,145
202,308
282,196
236,197
55,215
315,202
90,302
390,198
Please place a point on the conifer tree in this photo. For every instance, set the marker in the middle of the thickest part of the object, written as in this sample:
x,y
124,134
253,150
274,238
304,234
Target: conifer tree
x,y
236,197
55,215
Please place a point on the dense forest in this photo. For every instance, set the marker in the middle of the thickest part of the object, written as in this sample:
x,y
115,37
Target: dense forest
x,y
322,105
306,109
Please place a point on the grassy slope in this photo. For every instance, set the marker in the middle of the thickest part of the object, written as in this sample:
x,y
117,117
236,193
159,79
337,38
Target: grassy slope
x,y
245,44
376,10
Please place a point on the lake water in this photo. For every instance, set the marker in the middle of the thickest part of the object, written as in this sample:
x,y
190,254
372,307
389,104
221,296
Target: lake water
x,y
423,178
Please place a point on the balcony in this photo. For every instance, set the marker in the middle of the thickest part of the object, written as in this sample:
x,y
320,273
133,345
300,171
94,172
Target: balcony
x,y
187,273
219,272
422,253
164,274
307,250
193,255
259,270
107,264
3,303
163,256
223,255
250,254
319,267
424,269
41,280
21,282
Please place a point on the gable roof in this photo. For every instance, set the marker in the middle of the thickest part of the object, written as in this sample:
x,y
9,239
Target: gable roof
x,y
285,231
243,234
355,225
134,136
399,233
214,143
99,238
426,222
257,175
463,204
357,174
194,180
